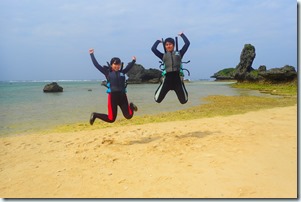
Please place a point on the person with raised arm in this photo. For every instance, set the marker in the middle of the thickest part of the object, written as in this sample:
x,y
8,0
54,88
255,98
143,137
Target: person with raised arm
x,y
172,75
116,85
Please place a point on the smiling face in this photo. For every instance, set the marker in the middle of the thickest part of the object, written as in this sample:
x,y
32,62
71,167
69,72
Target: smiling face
x,y
169,46
116,67
115,63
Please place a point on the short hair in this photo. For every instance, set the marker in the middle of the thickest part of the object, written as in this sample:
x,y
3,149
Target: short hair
x,y
115,60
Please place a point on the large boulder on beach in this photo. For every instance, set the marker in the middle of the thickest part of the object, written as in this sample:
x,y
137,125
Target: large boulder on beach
x,y
135,74
244,66
52,88
151,75
138,74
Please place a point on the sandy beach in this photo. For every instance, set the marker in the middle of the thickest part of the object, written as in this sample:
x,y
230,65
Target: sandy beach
x,y
251,155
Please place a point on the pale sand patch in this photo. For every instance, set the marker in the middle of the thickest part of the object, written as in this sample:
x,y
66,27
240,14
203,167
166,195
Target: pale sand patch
x,y
248,155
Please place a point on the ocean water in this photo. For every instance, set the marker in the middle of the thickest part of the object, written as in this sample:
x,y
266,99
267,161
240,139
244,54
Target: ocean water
x,y
25,108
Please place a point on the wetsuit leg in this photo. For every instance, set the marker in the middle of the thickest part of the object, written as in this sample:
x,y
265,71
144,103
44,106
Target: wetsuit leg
x,y
181,90
112,109
163,89
125,107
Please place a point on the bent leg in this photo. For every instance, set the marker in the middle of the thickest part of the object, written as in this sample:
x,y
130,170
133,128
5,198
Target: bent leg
x,y
104,117
112,111
181,91
161,91
127,111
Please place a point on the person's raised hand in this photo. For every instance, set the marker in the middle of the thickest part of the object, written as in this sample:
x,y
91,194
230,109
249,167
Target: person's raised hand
x,y
91,50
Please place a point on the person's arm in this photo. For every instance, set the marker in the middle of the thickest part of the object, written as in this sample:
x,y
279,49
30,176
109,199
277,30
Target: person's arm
x,y
186,44
156,51
129,66
98,66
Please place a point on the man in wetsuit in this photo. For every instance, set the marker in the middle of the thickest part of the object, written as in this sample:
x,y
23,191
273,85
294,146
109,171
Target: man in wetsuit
x,y
116,90
172,79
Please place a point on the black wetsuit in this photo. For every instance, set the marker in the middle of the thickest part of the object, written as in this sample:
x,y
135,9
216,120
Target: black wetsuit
x,y
171,80
116,93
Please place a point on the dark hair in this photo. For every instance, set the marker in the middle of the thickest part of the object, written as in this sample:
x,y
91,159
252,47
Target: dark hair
x,y
170,40
115,60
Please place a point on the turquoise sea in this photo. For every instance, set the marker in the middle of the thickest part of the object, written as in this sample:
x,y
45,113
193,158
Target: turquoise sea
x,y
25,108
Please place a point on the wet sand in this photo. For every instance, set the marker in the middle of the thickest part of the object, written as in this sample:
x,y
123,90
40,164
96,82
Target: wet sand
x,y
251,155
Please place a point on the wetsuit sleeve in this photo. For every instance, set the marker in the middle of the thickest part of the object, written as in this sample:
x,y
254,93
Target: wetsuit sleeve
x,y
156,51
186,45
128,67
98,66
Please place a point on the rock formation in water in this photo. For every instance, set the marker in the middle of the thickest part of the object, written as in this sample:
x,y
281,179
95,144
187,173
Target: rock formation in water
x,y
138,74
52,88
245,72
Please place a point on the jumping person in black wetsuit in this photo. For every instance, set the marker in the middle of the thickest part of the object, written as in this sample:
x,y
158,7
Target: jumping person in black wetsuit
x,y
172,60
116,90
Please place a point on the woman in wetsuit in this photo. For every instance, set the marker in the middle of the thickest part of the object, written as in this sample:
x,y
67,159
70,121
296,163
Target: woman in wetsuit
x,y
172,60
116,90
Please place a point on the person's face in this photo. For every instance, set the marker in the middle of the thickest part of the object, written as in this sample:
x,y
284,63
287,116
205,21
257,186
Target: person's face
x,y
116,67
169,46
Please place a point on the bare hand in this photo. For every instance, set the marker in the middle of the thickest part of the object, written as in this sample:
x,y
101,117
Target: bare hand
x,y
180,33
134,58
91,50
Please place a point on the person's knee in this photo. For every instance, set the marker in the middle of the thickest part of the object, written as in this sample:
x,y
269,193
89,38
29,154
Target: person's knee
x,y
183,98
128,116
111,119
183,101
158,101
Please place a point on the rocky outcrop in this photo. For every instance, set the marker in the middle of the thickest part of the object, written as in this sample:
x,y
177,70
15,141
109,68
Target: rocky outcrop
x,y
52,88
138,74
262,68
245,72
282,74
224,74
244,67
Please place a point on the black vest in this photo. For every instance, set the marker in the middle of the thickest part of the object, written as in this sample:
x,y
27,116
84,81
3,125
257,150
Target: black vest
x,y
116,82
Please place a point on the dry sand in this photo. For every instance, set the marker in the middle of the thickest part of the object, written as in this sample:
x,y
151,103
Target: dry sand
x,y
252,155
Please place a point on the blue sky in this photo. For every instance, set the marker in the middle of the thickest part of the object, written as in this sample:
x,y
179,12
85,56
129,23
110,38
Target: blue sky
x,y
49,40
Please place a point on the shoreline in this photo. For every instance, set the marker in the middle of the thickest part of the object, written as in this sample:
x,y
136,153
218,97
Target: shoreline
x,y
218,105
249,155
199,109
